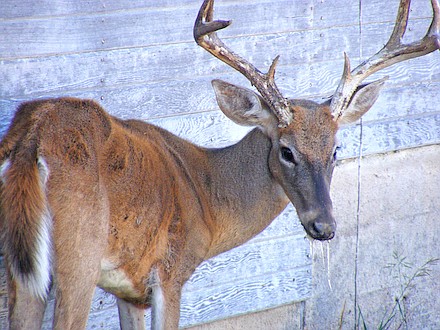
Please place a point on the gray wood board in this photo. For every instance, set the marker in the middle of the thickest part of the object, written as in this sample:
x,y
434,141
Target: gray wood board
x,y
97,31
140,26
313,68
416,80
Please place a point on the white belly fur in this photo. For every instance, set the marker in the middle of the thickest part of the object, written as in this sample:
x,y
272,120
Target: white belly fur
x,y
115,280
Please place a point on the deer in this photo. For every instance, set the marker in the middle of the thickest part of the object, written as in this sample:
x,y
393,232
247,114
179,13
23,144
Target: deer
x,y
89,200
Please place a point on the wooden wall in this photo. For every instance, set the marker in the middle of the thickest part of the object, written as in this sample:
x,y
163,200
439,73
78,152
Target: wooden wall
x,y
138,59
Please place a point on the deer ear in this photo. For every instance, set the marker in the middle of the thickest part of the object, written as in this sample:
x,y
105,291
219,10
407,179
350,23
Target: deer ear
x,y
242,105
361,101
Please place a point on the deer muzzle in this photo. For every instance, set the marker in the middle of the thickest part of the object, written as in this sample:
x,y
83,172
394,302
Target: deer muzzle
x,y
314,206
319,224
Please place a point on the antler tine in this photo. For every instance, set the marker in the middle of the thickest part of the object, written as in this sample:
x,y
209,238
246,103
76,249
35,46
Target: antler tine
x,y
400,26
393,52
205,35
434,29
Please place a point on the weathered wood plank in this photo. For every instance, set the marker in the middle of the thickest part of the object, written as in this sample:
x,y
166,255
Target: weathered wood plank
x,y
53,74
407,86
259,293
134,69
380,137
82,33
281,254
407,101
3,296
328,14
12,9
380,11
45,8
374,36
372,10
136,28
153,102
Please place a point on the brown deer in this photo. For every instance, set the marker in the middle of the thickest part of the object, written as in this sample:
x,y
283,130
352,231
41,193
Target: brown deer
x,y
91,200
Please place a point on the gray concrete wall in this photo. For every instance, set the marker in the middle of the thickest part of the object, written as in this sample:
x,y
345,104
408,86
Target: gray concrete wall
x,y
399,212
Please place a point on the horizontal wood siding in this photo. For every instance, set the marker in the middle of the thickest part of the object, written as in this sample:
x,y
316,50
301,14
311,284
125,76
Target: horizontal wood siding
x,y
138,59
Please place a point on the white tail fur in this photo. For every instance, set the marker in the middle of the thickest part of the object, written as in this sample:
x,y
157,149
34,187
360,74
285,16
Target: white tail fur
x,y
37,281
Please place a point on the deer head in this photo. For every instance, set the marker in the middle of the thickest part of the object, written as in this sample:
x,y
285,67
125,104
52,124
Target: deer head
x,y
303,132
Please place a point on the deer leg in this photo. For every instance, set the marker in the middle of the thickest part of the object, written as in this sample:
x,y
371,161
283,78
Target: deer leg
x,y
131,317
171,301
157,302
77,272
76,275
80,238
73,298
165,303
25,310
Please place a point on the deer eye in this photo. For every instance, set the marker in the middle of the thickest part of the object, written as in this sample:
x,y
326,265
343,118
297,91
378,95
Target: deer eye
x,y
287,155
335,153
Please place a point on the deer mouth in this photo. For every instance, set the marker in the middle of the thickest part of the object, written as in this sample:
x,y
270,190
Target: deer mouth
x,y
322,231
318,226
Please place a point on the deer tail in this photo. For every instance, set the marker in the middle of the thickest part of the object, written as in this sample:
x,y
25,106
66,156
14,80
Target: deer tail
x,y
27,218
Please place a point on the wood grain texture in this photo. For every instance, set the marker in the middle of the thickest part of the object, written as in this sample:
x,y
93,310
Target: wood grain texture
x,y
132,28
45,8
3,296
414,82
138,60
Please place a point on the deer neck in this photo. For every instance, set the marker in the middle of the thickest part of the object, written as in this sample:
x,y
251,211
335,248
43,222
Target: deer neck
x,y
245,198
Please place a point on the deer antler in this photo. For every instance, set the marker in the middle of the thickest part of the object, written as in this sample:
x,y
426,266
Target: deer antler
x,y
206,37
393,52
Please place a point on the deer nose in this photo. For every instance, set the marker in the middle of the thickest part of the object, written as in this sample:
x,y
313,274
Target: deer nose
x,y
323,230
